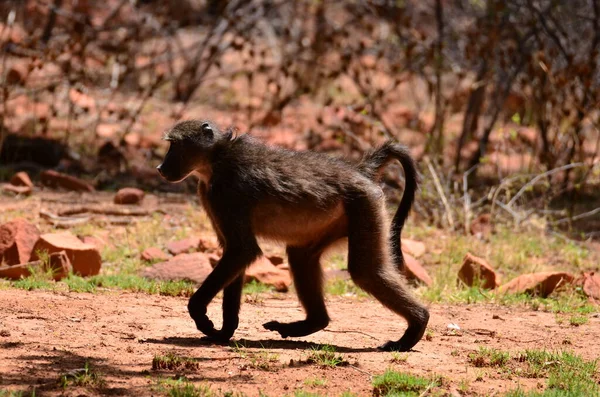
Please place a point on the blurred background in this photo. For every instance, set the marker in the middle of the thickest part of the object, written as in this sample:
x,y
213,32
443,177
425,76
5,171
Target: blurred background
x,y
498,100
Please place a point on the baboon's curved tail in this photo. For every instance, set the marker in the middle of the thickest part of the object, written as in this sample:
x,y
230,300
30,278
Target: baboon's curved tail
x,y
372,165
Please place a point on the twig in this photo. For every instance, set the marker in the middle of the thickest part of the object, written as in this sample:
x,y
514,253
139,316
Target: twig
x,y
361,370
515,215
467,197
577,217
440,190
540,176
352,332
426,391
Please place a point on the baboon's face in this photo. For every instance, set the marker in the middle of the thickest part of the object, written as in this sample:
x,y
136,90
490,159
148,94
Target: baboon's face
x,y
190,143
178,163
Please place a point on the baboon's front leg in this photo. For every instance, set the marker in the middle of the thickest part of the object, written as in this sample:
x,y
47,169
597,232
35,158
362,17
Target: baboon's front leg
x,y
226,273
232,296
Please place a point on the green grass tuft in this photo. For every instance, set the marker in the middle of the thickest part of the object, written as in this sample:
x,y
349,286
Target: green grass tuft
x,y
171,361
568,374
83,377
393,383
489,358
325,356
181,387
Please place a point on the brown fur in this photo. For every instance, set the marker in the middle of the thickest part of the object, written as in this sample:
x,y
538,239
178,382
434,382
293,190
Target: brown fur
x,y
307,201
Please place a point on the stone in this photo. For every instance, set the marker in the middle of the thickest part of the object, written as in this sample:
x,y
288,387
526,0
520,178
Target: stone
x,y
108,131
481,227
129,195
132,139
209,244
413,247
542,284
263,271
183,246
81,100
213,259
154,254
17,241
194,267
475,268
591,285
56,179
58,262
413,270
18,190
21,179
17,74
100,239
85,258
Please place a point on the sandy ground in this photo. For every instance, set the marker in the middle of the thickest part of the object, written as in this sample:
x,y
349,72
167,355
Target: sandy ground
x,y
46,334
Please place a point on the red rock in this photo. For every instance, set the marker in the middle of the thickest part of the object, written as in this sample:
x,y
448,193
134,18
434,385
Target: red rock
x,y
106,130
482,227
542,284
21,179
263,271
85,258
154,254
209,244
15,272
55,179
17,239
82,100
413,247
475,268
132,139
58,262
213,259
413,270
183,246
193,267
129,195
100,240
591,285
17,74
22,190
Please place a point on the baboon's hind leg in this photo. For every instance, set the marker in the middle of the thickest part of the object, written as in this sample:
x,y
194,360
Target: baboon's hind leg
x,y
370,267
308,280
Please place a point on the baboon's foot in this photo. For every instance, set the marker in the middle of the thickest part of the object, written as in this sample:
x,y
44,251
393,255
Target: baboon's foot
x,y
204,325
411,337
218,337
297,328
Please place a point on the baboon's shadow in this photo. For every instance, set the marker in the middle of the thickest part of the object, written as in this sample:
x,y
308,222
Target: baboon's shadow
x,y
256,344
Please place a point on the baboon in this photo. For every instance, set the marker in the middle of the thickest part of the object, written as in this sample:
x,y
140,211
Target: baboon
x,y
306,200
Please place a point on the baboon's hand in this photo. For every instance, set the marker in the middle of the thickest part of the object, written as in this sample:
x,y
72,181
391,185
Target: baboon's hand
x,y
278,327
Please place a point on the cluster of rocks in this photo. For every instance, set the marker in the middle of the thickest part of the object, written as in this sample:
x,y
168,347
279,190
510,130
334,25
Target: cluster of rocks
x,y
21,184
23,247
477,271
193,259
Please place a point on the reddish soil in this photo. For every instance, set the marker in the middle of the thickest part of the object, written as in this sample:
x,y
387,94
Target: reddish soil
x,y
46,334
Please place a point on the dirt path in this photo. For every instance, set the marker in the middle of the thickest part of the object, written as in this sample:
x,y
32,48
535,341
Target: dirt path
x,y
46,334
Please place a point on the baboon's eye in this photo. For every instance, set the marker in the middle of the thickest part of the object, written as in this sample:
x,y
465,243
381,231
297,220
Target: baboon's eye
x,y
206,127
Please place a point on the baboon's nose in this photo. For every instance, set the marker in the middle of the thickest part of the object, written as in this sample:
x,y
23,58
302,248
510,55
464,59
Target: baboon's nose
x,y
159,168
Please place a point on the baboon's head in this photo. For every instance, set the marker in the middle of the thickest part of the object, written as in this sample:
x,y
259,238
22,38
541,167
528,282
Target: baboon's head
x,y
190,145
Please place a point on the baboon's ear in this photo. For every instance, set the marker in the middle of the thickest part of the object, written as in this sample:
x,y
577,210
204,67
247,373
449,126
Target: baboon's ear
x,y
207,130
